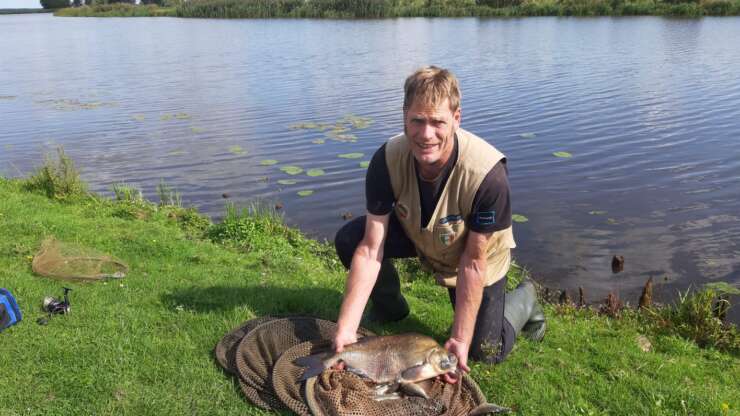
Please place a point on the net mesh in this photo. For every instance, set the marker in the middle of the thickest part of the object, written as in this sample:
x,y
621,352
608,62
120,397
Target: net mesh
x,y
67,261
341,393
225,351
261,353
260,349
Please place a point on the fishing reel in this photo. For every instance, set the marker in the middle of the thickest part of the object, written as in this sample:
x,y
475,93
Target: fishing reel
x,y
54,306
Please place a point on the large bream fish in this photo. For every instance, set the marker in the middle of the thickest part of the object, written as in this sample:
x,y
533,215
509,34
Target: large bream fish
x,y
396,360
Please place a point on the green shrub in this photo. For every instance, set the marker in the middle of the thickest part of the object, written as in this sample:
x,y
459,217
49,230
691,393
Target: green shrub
x,y
719,7
128,193
58,178
693,316
683,10
168,195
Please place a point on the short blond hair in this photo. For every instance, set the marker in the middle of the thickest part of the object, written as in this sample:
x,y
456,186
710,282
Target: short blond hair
x,y
431,85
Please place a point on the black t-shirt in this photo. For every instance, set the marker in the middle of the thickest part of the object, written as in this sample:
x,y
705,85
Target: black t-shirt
x,y
491,209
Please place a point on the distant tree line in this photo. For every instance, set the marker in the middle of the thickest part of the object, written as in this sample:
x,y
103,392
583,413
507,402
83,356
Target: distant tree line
x,y
58,4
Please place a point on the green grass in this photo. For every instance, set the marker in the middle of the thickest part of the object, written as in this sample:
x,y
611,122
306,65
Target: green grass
x,y
142,345
349,9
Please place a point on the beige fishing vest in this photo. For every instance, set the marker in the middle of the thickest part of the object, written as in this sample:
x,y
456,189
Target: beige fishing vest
x,y
441,243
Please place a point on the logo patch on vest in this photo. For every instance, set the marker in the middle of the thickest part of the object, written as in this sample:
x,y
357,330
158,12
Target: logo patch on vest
x,y
446,238
402,211
451,220
486,217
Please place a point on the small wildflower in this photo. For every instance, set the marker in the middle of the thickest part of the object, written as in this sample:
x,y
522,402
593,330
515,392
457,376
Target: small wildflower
x,y
121,285
180,308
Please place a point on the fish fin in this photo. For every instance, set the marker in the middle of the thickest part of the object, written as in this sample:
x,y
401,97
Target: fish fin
x,y
488,408
415,373
314,365
412,389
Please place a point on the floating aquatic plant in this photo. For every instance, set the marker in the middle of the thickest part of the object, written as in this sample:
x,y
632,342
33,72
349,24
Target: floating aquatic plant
x,y
597,212
183,116
612,221
196,130
527,135
318,141
237,150
303,126
165,117
519,218
268,162
365,164
176,153
71,105
315,172
351,155
292,170
562,154
306,192
138,117
356,121
287,181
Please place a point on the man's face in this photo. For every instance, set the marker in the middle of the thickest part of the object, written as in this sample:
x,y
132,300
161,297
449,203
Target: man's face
x,y
431,132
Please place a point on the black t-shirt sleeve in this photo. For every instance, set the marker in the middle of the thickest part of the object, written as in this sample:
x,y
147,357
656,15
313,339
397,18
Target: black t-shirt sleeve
x,y
378,189
492,204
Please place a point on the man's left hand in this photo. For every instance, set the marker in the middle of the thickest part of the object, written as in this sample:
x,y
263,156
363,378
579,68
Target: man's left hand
x,y
460,349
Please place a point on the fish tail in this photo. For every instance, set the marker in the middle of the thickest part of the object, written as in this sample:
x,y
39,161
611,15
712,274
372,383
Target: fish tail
x,y
314,365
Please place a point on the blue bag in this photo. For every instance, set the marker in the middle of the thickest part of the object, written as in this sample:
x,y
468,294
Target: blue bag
x,y
10,314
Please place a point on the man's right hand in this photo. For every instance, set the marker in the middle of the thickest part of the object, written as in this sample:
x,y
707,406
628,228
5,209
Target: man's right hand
x,y
341,339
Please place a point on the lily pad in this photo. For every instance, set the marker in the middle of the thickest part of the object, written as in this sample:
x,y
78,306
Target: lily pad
x,y
315,172
182,116
318,141
597,212
268,162
306,192
138,117
356,122
527,135
519,218
365,164
287,181
176,153
237,150
612,221
562,154
292,170
351,155
303,126
196,130
165,117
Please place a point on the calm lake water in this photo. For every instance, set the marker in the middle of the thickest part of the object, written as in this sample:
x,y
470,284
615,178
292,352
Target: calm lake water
x,y
648,107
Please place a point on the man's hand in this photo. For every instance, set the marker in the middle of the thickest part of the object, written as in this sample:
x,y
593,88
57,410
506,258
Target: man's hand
x,y
341,339
460,349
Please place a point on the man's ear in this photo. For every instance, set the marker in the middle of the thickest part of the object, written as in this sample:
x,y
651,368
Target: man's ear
x,y
457,116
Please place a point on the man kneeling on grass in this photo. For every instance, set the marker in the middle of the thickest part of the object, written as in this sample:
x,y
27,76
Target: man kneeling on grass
x,y
440,193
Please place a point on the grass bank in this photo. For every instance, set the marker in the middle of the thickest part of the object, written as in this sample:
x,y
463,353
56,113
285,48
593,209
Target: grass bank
x,y
415,8
143,343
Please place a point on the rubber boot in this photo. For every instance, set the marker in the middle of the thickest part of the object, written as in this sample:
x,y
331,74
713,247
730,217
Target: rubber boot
x,y
388,304
524,313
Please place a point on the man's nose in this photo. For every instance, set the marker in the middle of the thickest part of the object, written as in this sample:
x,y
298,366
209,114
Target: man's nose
x,y
428,131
